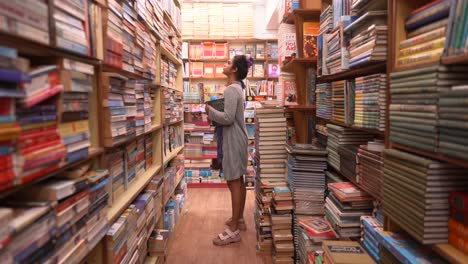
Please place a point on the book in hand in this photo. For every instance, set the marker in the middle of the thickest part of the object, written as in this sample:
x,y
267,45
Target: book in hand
x,y
217,104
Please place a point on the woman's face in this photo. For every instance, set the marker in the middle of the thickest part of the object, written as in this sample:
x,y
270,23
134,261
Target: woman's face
x,y
228,70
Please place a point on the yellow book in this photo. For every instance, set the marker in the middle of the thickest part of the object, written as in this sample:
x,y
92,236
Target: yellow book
x,y
427,46
68,129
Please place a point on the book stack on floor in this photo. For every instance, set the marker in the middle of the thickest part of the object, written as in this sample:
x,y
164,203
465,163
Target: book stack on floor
x,y
115,112
348,165
28,20
369,111
311,232
370,168
336,252
345,204
116,165
386,257
283,245
114,42
338,137
426,29
77,81
270,155
431,190
321,135
324,100
174,109
452,123
370,226
306,177
368,43
413,106
458,224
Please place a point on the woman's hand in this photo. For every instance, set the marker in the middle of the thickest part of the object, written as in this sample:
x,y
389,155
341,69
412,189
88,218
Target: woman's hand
x,y
207,109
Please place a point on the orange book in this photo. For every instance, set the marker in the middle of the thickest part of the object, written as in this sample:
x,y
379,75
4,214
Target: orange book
x,y
209,71
219,70
208,50
458,242
458,228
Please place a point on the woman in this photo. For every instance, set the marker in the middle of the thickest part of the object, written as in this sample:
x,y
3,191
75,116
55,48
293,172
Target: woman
x,y
234,145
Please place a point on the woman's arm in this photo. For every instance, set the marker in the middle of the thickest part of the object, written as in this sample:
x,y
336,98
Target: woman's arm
x,y
230,107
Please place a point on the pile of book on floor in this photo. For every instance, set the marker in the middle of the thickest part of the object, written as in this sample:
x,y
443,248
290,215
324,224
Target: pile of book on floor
x,y
283,245
344,206
426,29
306,177
340,136
369,108
370,226
311,232
413,106
324,100
370,168
432,186
56,219
270,155
335,252
458,223
451,123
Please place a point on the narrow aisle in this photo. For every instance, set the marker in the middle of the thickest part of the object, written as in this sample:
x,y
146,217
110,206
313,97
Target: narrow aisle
x,y
203,218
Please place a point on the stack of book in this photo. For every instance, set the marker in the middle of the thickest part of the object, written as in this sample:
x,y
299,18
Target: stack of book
x,y
326,20
28,232
348,162
148,105
128,37
345,204
116,165
149,150
96,220
272,50
140,157
282,200
71,26
336,252
370,226
426,29
339,136
368,40
338,101
77,81
369,108
201,171
306,176
28,20
172,138
324,100
282,238
370,168
115,112
413,106
458,223
174,109
332,56
114,45
140,108
451,122
311,232
130,162
456,44
431,190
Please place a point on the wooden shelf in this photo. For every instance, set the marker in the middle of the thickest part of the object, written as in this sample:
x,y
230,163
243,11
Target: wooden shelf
x,y
172,155
33,48
123,142
200,130
151,260
305,13
353,73
432,155
173,190
451,254
305,62
306,108
460,59
135,188
207,185
170,55
131,75
368,130
168,18
93,152
173,123
201,157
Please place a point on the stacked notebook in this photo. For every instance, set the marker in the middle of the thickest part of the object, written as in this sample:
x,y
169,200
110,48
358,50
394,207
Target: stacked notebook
x,y
339,136
428,223
324,100
283,246
370,226
369,109
370,168
311,232
345,204
306,177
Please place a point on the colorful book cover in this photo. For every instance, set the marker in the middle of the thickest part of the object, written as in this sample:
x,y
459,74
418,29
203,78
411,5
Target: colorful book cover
x,y
259,70
290,92
311,31
273,70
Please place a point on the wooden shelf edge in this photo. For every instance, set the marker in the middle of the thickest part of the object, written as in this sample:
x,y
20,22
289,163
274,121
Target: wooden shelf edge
x,y
170,56
289,67
450,253
131,193
207,185
151,260
173,123
131,75
172,155
353,73
300,108
455,59
368,130
93,152
201,157
432,155
153,128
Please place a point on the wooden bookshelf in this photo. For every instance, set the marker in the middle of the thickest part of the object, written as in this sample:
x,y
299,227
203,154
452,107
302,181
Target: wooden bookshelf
x,y
201,157
131,75
207,185
451,254
454,60
174,122
170,56
305,108
353,73
172,155
129,139
168,18
292,17
301,62
135,188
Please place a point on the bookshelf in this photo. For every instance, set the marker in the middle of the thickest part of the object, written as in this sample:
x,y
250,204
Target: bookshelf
x,y
98,49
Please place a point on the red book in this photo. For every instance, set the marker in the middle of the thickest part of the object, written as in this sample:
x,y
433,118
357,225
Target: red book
x,y
6,162
70,201
41,145
458,242
37,173
457,228
317,228
424,7
39,132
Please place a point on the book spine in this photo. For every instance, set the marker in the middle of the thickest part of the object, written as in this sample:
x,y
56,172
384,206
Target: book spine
x,y
425,47
430,56
18,11
431,14
431,35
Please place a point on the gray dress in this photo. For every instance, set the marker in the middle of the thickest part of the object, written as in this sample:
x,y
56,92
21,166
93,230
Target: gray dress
x,y
235,139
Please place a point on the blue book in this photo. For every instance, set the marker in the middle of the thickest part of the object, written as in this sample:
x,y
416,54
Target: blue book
x,y
12,93
8,52
432,14
14,76
283,189
77,155
372,252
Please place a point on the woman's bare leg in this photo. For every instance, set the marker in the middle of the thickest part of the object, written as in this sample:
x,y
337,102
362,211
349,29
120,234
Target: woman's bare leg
x,y
236,197
243,197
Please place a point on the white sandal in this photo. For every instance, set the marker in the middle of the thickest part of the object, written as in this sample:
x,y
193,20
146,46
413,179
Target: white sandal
x,y
231,237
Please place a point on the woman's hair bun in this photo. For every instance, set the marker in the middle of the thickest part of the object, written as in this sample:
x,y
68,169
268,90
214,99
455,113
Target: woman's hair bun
x,y
249,61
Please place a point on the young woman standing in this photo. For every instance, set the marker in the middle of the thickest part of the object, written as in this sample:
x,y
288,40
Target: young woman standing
x,y
234,145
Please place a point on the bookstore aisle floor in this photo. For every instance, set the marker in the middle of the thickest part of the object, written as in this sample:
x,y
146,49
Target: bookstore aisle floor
x,y
204,216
